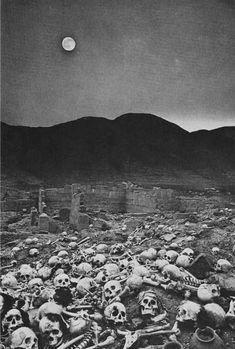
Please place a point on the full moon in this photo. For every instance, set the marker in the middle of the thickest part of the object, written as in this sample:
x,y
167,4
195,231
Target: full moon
x,y
68,44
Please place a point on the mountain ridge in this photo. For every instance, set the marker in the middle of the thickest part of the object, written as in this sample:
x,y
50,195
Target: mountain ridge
x,y
132,146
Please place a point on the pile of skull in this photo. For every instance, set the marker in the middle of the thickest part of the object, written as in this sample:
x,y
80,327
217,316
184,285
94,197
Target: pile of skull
x,y
77,299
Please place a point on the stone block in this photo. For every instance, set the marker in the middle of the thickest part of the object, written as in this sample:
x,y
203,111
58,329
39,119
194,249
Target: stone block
x,y
43,223
200,266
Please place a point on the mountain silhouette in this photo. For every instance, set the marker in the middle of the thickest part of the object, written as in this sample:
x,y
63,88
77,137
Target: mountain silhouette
x,y
142,148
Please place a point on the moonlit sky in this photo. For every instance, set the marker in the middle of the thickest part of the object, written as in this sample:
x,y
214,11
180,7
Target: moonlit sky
x,y
171,58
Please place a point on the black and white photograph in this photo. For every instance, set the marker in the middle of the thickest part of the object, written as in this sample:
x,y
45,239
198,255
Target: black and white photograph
x,y
117,174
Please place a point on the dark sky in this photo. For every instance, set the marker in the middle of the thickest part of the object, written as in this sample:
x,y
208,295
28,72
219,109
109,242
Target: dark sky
x,y
172,58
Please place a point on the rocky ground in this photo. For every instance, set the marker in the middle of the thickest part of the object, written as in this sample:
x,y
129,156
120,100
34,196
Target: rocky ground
x,y
210,232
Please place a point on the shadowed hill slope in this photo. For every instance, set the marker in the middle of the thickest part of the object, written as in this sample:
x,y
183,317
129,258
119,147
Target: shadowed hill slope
x,y
138,147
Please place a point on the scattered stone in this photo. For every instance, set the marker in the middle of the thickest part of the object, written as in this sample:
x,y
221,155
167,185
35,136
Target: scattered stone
x,y
200,266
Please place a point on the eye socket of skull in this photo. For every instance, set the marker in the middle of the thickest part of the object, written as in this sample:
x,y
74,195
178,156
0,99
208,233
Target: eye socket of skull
x,y
153,302
123,313
115,311
112,287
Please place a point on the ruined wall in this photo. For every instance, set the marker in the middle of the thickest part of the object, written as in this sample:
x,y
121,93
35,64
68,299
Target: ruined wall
x,y
123,198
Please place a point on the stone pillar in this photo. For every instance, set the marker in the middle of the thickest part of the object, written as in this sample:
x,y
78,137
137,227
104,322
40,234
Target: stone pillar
x,y
41,200
43,223
75,209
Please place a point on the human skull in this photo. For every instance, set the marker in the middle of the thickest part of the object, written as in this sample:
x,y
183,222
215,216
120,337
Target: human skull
x,y
187,252
123,263
101,277
148,303
63,254
161,253
9,281
44,273
83,268
98,260
141,271
208,292
26,273
89,253
33,252
131,265
49,308
86,285
134,282
150,254
116,313
51,330
111,268
117,249
223,266
73,245
171,273
188,311
102,248
12,320
230,315
111,290
216,313
23,338
171,256
53,261
160,263
183,261
36,286
62,280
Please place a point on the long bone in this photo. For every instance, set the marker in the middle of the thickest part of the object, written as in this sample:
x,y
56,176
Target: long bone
x,y
132,337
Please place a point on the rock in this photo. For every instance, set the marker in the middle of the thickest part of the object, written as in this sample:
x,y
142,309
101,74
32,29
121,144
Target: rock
x,y
168,237
200,266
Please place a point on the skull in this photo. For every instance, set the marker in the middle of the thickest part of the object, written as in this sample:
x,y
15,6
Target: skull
x,y
148,303
102,248
141,271
63,254
83,268
183,261
188,252
223,266
134,282
131,265
208,292
161,253
116,313
111,268
36,286
117,249
62,280
188,311
171,256
26,273
101,277
111,290
230,315
123,263
12,320
171,273
150,254
9,281
98,260
73,245
89,253
33,252
216,313
23,338
53,261
86,285
44,273
49,308
160,263
50,327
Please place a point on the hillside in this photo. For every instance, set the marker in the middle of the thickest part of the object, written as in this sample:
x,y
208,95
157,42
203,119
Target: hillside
x,y
142,148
